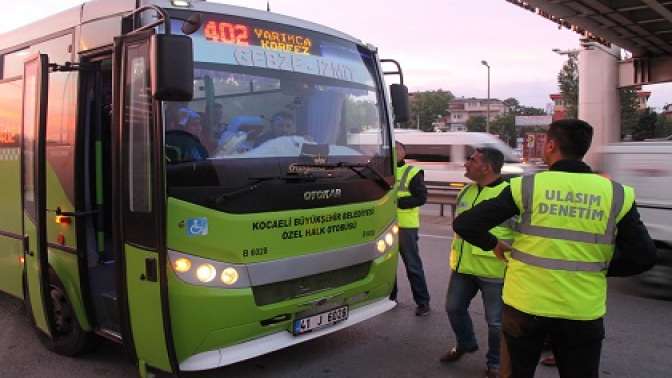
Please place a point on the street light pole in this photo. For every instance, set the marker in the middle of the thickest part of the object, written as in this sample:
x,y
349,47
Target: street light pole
x,y
487,118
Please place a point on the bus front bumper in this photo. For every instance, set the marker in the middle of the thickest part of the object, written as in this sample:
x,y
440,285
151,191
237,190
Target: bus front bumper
x,y
253,348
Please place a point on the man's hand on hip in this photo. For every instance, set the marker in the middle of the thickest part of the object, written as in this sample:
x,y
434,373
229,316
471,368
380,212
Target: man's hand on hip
x,y
499,250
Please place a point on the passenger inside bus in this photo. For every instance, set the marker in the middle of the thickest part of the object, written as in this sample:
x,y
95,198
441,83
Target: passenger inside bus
x,y
183,137
282,124
241,135
282,139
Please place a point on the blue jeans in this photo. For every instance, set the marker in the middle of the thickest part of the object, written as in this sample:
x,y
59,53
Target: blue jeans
x,y
408,249
462,289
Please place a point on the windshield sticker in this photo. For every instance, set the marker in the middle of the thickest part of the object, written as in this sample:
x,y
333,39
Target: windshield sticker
x,y
197,226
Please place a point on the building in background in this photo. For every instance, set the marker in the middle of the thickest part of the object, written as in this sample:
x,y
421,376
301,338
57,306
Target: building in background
x,y
667,111
461,109
643,97
559,110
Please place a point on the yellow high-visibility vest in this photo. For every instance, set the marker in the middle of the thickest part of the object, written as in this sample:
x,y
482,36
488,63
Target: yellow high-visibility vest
x,y
408,218
467,258
563,243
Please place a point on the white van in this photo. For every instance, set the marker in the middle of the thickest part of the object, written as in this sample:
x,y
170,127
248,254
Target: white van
x,y
442,155
647,166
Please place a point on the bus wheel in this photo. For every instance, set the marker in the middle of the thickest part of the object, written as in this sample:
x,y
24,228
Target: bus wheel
x,y
69,339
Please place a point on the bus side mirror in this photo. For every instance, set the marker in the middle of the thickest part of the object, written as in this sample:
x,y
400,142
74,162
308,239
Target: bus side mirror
x,y
399,93
173,67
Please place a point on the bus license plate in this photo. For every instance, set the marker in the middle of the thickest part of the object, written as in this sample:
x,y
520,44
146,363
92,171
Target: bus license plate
x,y
320,320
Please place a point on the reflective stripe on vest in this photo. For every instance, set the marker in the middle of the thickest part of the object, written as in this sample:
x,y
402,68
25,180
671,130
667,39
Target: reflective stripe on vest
x,y
525,226
408,218
403,181
563,243
556,264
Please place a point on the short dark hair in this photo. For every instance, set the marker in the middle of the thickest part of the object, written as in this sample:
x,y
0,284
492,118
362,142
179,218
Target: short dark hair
x,y
573,137
493,157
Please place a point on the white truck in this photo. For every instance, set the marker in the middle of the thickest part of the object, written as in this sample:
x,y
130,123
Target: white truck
x,y
647,166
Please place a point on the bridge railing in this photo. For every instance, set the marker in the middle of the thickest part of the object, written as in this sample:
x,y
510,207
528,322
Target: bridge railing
x,y
440,193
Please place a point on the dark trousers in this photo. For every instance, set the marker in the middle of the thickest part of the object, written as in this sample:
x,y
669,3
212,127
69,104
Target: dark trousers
x,y
462,289
576,343
408,249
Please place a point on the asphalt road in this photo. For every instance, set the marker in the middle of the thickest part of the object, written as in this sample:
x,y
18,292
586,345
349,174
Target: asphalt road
x,y
395,344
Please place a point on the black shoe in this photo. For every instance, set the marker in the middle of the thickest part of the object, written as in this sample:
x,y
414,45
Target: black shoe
x,y
456,353
422,310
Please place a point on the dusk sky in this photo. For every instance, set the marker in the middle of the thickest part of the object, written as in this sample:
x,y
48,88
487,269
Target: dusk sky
x,y
440,43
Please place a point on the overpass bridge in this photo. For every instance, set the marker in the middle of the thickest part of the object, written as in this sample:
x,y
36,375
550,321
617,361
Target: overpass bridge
x,y
642,27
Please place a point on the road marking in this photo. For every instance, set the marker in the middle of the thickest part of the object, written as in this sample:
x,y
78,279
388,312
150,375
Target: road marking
x,y
435,236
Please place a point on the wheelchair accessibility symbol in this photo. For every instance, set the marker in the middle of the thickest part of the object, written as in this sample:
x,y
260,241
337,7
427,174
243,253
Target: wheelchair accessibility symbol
x,y
197,226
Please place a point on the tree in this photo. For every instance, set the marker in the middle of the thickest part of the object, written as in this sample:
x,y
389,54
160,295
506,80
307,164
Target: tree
x,y
512,104
476,123
427,106
646,127
629,110
505,127
505,124
360,115
663,126
568,80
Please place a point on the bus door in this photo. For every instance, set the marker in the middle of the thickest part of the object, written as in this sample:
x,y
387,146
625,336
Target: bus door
x,y
35,91
139,211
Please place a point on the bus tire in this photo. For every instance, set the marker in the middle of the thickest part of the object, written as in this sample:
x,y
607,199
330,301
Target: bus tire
x,y
68,339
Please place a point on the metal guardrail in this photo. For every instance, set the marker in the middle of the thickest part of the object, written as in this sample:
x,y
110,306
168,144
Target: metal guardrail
x,y
440,193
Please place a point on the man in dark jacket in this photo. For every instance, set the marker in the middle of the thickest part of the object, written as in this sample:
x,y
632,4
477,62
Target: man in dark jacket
x,y
574,229
412,194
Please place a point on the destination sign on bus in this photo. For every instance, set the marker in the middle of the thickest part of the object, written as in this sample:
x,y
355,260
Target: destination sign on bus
x,y
245,35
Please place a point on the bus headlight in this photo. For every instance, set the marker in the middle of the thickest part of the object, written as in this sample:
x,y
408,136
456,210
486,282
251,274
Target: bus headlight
x,y
206,273
229,276
182,265
389,239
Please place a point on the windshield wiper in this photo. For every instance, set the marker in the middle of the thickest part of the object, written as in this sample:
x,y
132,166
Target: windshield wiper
x,y
257,181
379,178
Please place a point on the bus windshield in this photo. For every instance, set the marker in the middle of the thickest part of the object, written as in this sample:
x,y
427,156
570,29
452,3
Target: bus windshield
x,y
269,98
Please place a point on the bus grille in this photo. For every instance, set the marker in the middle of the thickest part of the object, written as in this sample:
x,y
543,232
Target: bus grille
x,y
282,291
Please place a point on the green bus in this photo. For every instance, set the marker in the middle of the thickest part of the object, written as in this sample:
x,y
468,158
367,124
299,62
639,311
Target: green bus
x,y
184,178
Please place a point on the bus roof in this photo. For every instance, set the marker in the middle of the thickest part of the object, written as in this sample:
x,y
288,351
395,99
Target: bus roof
x,y
99,9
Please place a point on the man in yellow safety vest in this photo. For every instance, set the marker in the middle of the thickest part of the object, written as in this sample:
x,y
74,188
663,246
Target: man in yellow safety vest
x,y
574,229
411,194
474,269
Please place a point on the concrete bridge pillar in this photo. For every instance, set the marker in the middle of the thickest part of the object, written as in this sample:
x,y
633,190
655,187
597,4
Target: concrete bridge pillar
x,y
599,102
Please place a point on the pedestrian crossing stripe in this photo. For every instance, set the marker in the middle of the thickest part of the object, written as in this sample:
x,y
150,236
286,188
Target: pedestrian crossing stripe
x,y
8,154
